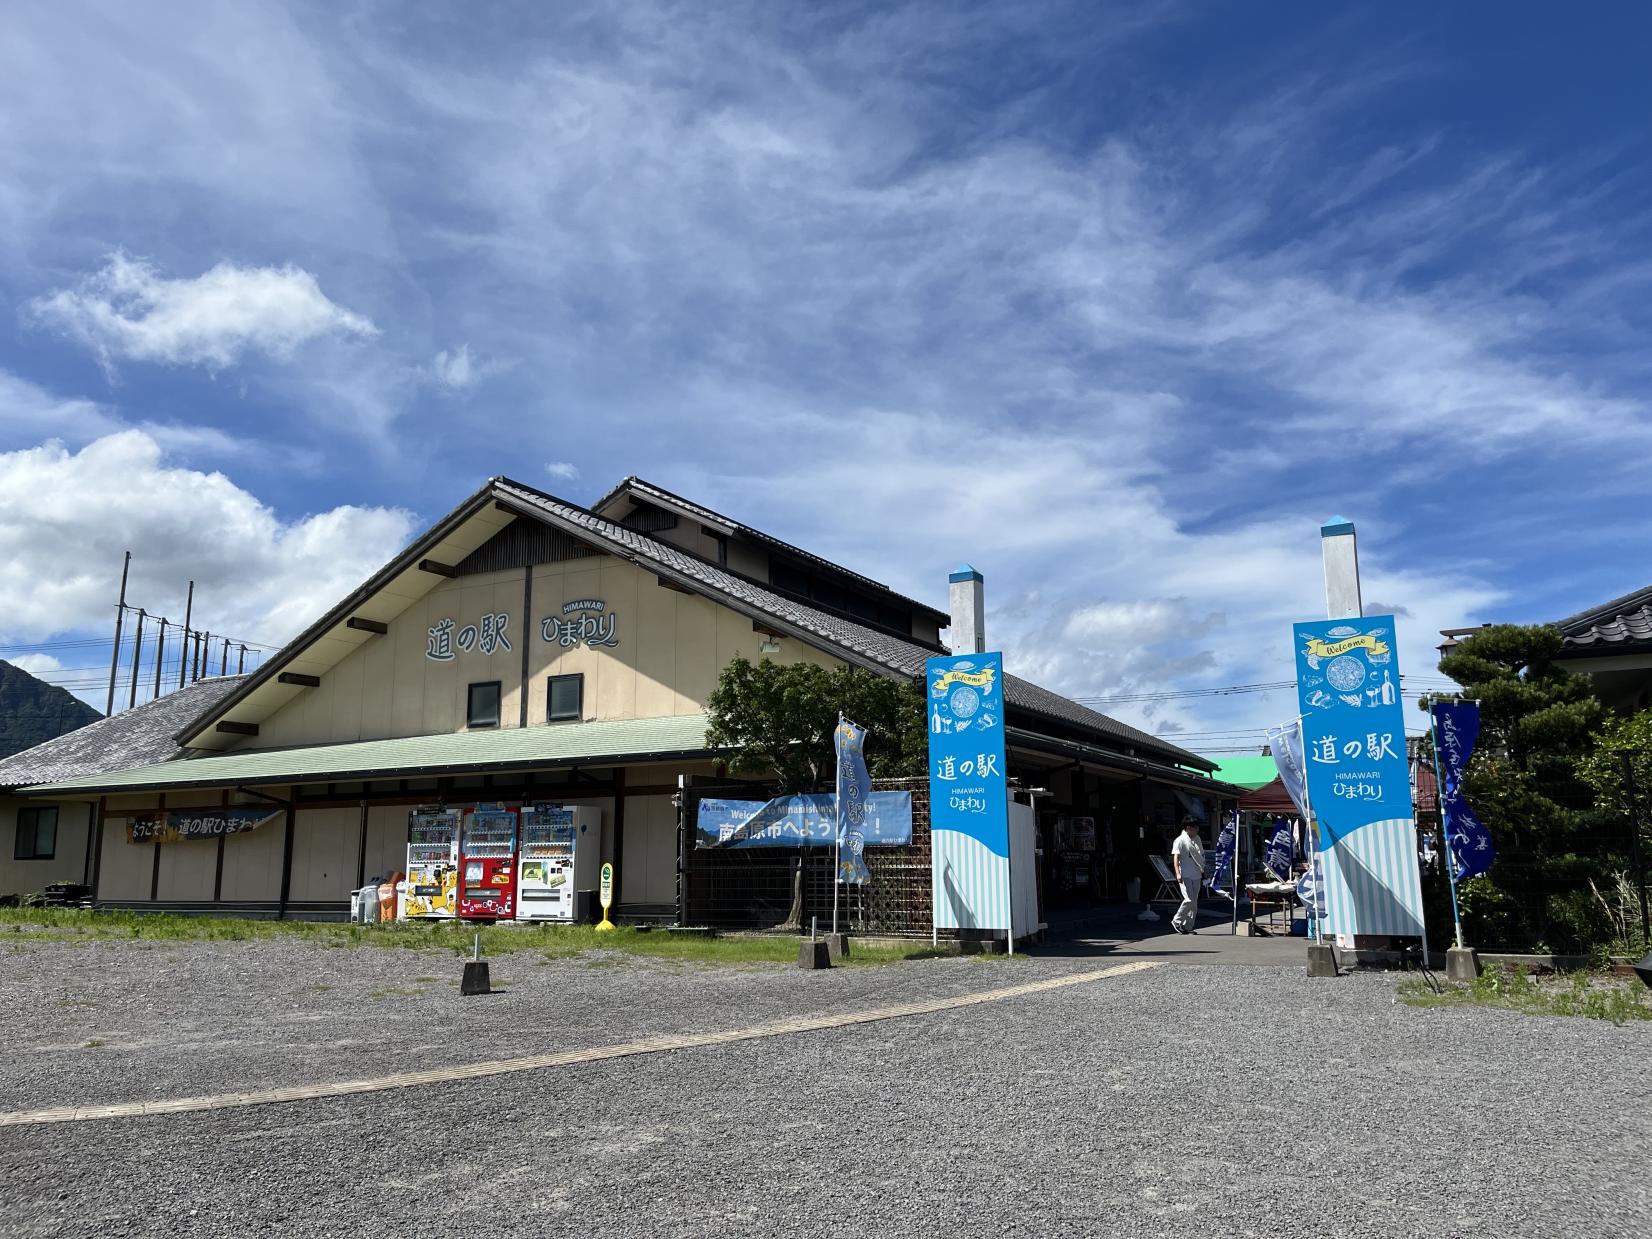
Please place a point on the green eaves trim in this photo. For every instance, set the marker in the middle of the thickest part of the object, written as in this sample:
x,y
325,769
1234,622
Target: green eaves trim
x,y
507,748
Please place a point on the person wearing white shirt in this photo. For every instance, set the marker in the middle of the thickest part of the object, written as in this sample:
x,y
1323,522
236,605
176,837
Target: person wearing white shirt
x,y
1188,855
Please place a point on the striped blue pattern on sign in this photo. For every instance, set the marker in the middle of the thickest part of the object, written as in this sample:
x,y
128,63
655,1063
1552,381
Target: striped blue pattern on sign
x,y
971,883
1372,881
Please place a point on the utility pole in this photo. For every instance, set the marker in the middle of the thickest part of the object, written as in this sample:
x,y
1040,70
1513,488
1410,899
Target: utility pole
x,y
160,655
183,652
120,615
137,658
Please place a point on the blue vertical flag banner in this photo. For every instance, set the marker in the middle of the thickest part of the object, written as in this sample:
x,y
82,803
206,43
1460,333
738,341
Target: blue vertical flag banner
x,y
1353,737
1286,743
1276,858
853,787
1220,875
1456,730
968,792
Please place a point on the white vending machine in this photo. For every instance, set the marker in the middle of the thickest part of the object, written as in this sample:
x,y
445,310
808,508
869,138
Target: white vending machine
x,y
561,853
432,883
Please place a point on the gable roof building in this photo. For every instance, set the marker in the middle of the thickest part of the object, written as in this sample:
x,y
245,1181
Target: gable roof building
x,y
1612,642
527,645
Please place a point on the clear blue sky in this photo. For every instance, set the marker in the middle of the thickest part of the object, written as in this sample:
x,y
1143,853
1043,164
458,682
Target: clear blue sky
x,y
1117,302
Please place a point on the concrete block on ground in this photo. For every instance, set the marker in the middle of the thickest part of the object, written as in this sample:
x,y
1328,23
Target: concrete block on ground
x,y
1462,964
1322,960
812,953
837,946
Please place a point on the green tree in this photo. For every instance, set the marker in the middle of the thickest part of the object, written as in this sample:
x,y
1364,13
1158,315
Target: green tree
x,y
1602,770
1537,726
779,719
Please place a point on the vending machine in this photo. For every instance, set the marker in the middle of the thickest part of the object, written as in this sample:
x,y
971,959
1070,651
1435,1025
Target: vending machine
x,y
560,855
432,884
487,864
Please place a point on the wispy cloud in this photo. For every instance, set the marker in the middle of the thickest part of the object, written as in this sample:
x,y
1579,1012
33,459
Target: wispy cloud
x,y
129,311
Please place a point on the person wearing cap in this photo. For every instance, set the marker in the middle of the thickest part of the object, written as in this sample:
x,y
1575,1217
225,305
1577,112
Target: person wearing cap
x,y
1188,855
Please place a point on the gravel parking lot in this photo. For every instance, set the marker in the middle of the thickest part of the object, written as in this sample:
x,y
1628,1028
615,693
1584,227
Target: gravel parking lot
x,y
1179,1100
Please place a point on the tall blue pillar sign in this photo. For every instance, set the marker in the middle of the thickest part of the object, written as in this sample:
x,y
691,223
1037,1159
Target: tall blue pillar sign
x,y
968,792
1359,785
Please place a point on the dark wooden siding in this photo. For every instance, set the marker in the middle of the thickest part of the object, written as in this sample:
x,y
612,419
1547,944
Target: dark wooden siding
x,y
519,544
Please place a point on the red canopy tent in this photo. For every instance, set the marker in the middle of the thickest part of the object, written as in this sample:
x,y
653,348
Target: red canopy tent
x,y
1269,798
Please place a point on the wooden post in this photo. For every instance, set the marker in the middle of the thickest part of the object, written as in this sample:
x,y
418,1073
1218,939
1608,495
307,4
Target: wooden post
x,y
286,861
155,871
361,848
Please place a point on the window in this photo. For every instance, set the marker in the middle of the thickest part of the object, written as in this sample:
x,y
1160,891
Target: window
x,y
565,698
483,710
36,834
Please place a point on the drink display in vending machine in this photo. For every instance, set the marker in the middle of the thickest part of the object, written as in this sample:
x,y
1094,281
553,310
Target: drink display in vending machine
x,y
487,864
559,857
432,883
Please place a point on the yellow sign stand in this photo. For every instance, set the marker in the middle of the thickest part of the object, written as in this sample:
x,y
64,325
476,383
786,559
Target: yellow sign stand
x,y
606,897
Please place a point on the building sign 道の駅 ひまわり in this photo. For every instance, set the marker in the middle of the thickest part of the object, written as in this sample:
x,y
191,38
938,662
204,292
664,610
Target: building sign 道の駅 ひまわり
x,y
585,620
486,636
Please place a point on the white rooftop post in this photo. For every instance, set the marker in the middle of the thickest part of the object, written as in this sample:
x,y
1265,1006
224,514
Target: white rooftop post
x,y
1342,597
966,592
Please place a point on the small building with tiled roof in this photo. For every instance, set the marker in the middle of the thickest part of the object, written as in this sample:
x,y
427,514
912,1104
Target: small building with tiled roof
x,y
1612,643
46,843
526,648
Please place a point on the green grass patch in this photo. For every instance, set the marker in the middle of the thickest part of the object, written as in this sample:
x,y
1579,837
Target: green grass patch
x,y
549,941
1595,996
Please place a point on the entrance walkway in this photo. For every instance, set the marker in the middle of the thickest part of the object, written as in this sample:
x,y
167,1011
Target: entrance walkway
x,y
1113,929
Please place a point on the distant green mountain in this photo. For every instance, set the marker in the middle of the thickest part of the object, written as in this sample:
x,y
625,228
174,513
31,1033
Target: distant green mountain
x,y
33,711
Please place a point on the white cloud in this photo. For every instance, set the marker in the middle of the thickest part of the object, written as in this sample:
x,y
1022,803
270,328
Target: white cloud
x,y
129,311
456,368
563,470
40,665
66,517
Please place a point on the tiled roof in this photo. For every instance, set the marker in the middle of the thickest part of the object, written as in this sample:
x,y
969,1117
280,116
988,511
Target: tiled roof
x,y
136,737
1622,622
647,489
872,645
505,748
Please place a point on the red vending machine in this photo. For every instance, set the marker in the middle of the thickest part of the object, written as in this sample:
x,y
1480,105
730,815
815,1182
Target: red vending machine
x,y
487,864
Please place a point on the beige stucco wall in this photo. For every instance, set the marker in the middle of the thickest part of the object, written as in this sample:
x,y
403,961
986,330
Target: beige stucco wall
x,y
671,648
68,862
650,870
188,870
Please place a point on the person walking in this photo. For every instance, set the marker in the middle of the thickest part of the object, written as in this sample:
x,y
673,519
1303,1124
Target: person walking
x,y
1188,855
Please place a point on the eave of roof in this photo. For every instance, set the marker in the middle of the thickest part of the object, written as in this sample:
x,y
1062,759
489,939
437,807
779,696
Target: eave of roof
x,y
1095,755
602,742
1580,623
703,513
336,618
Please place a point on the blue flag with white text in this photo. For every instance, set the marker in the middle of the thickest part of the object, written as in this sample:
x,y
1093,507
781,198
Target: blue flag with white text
x,y
1277,857
1220,877
853,787
1286,743
1456,730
